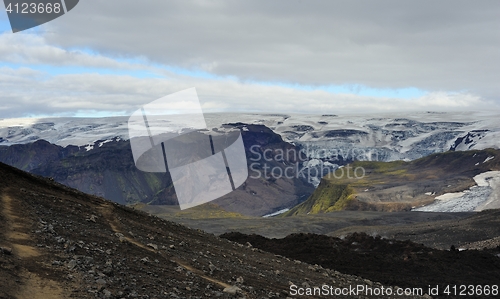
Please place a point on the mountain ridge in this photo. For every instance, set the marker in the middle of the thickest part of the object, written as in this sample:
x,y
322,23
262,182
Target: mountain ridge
x,y
393,136
398,185
107,169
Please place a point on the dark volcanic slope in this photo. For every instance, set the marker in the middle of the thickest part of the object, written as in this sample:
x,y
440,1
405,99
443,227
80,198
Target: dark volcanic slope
x,y
60,243
401,263
107,170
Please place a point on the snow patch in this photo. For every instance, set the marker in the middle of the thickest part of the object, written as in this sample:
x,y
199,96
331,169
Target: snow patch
x,y
485,195
488,159
104,142
276,213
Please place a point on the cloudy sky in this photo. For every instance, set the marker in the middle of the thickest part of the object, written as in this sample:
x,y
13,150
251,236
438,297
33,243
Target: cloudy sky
x,y
305,56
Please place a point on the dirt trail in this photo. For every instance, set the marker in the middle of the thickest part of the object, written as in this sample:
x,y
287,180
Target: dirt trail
x,y
106,210
17,238
39,288
16,234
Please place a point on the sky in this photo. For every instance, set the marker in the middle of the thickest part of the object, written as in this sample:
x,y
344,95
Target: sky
x,y
107,58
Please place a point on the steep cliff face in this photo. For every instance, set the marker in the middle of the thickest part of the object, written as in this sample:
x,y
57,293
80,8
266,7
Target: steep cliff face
x,y
275,179
33,155
107,170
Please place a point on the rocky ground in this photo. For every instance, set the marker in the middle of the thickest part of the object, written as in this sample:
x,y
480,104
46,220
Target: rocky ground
x,y
57,242
474,231
403,263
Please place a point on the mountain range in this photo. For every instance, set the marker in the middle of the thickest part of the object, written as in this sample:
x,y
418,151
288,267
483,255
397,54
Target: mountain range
x,y
107,169
392,136
94,156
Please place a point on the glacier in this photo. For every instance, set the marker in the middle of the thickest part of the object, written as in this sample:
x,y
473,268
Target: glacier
x,y
484,195
328,137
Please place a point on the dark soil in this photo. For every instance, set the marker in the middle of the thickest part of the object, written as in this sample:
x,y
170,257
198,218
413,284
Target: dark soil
x,y
57,243
392,262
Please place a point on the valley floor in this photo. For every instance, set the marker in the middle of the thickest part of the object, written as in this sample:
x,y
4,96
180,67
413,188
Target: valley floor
x,y
437,230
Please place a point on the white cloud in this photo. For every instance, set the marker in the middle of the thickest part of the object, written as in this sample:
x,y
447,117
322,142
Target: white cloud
x,y
444,45
34,50
118,94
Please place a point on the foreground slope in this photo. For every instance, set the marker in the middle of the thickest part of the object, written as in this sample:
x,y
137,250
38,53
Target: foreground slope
x,y
402,263
57,242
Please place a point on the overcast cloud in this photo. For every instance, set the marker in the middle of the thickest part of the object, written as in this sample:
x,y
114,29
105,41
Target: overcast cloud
x,y
256,52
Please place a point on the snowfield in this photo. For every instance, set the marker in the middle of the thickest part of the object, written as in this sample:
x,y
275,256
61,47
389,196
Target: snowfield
x,y
387,137
485,195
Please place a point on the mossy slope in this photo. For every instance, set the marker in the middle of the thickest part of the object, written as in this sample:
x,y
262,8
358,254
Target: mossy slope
x,y
398,185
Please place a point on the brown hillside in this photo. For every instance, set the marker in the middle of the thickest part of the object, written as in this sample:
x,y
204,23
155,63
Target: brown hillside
x,y
60,243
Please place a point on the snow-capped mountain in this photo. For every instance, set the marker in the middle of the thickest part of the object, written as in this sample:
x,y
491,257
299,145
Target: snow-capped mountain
x,y
326,141
392,137
106,168
328,137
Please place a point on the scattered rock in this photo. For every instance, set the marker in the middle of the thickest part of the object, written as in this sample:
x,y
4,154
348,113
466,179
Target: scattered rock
x,y
107,294
102,267
107,271
151,245
233,290
212,268
72,264
5,250
101,283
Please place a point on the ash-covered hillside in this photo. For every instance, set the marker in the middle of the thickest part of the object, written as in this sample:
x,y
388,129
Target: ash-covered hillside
x,y
57,242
